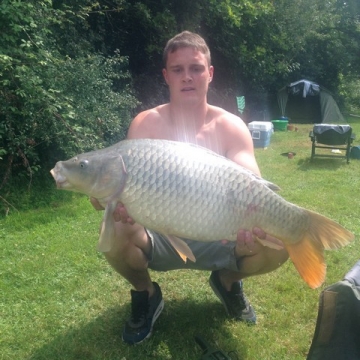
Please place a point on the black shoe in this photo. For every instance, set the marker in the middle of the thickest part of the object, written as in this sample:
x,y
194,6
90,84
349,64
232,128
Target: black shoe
x,y
235,302
144,312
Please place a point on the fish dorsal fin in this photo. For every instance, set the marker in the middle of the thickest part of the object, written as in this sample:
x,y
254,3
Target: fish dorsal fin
x,y
267,183
181,247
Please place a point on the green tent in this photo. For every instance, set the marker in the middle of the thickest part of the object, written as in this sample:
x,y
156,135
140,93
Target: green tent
x,y
304,101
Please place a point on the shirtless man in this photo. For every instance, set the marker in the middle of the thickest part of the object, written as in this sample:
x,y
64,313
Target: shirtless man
x,y
189,118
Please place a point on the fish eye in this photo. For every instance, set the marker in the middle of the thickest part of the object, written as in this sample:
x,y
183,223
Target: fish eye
x,y
84,163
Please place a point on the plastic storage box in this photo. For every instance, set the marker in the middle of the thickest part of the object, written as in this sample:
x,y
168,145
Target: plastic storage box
x,y
261,133
280,125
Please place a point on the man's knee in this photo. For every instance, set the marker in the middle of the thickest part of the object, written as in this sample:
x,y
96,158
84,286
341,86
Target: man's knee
x,y
131,248
262,261
276,258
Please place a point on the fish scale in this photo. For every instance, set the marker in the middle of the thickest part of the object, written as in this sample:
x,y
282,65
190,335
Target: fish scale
x,y
212,217
185,191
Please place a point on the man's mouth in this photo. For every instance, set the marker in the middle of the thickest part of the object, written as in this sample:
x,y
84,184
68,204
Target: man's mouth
x,y
187,89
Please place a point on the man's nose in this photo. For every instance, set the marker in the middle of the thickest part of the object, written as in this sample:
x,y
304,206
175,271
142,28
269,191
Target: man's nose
x,y
187,76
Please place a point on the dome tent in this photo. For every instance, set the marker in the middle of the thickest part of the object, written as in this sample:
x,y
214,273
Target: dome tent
x,y
295,99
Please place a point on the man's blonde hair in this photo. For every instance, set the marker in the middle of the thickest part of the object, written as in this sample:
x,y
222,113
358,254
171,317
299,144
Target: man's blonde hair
x,y
186,39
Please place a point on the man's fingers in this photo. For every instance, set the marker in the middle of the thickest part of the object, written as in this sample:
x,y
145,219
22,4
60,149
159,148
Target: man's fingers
x,y
117,213
245,239
260,233
120,214
250,240
268,239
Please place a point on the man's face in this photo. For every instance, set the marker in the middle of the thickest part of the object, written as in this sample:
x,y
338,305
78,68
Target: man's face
x,y
188,75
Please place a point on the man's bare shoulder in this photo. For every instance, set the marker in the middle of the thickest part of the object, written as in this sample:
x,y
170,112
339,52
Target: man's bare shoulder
x,y
234,135
154,114
226,119
147,123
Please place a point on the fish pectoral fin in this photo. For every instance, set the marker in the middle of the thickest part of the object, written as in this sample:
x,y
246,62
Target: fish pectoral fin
x,y
107,231
181,247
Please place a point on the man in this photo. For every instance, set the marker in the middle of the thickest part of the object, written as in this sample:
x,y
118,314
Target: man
x,y
189,118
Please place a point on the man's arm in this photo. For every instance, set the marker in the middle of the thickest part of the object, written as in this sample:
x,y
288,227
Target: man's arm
x,y
239,144
241,150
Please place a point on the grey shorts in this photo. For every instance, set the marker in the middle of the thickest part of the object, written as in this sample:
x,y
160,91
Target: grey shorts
x,y
209,255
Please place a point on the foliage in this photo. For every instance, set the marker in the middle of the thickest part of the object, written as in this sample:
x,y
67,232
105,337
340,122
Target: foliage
x,y
349,89
257,46
267,44
331,49
70,71
52,104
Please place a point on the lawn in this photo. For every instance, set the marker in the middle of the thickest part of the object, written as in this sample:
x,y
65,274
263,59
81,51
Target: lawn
x,y
59,299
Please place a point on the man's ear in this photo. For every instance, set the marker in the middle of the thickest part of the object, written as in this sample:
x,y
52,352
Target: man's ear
x,y
211,72
164,72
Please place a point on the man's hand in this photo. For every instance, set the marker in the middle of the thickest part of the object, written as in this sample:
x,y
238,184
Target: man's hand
x,y
251,240
120,213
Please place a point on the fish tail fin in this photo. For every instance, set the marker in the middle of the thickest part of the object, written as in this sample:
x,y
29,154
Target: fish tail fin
x,y
328,232
308,253
308,259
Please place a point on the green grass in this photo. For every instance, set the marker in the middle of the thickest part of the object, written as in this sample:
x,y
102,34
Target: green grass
x,y
59,299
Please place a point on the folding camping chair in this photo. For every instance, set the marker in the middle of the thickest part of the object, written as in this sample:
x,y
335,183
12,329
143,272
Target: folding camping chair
x,y
332,137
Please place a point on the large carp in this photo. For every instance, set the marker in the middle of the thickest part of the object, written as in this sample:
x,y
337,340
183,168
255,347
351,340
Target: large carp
x,y
182,190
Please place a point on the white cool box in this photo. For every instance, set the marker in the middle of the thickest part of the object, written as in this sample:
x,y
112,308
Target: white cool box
x,y
261,133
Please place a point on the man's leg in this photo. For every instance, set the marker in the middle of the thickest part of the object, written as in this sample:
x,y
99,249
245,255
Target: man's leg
x,y
254,260
228,285
129,257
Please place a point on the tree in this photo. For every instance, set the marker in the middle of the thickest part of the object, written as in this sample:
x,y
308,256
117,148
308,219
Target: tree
x,y
65,66
58,97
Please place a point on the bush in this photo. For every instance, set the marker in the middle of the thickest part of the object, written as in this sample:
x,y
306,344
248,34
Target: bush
x,y
52,105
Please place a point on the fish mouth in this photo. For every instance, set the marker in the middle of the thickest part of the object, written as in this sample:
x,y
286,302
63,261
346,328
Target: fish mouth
x,y
53,173
61,181
63,184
